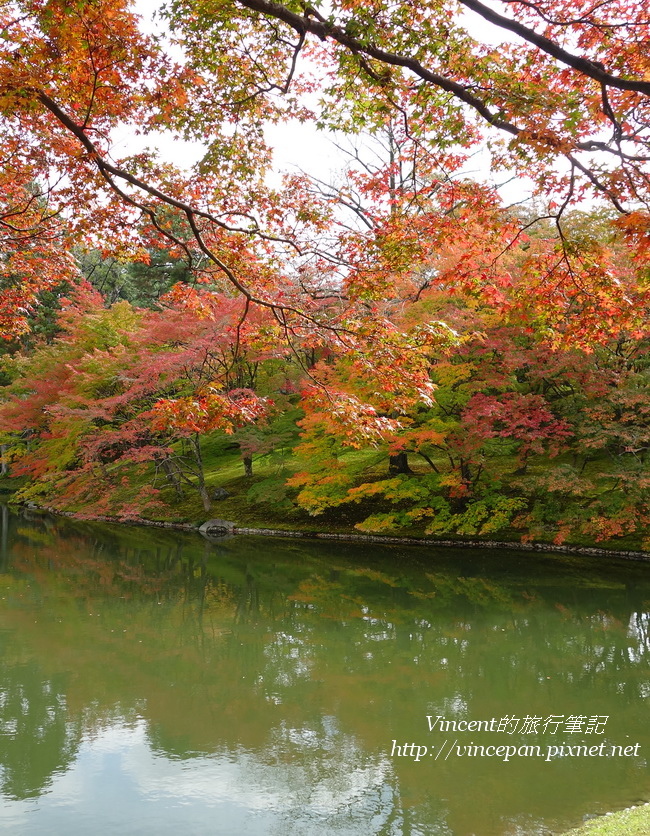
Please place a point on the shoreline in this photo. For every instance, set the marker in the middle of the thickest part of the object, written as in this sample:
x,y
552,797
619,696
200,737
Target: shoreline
x,y
630,821
234,529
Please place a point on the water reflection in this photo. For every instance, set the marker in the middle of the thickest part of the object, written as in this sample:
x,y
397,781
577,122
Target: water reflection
x,y
256,686
37,739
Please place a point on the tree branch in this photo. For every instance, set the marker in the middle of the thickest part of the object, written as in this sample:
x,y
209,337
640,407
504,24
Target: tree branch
x,y
583,65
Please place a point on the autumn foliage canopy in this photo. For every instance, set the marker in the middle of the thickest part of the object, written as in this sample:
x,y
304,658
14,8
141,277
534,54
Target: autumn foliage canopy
x,y
470,289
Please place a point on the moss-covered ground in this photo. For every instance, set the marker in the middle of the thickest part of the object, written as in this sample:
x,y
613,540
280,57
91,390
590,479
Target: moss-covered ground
x,y
263,500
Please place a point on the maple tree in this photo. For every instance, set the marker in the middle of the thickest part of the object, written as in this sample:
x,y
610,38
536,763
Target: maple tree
x,y
123,385
519,433
34,251
570,119
421,317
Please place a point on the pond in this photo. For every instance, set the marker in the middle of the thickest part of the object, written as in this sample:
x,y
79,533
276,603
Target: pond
x,y
153,682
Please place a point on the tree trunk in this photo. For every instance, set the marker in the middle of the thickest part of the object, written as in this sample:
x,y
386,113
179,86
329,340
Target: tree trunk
x,y
171,472
205,498
195,443
4,468
248,465
398,464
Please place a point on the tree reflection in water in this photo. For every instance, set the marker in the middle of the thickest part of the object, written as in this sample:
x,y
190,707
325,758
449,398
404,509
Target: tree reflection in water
x,y
302,662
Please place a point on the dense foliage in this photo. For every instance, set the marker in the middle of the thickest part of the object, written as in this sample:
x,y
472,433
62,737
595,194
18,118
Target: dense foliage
x,y
452,364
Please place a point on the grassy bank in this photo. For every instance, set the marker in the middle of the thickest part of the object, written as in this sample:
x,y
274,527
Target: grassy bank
x,y
132,492
632,822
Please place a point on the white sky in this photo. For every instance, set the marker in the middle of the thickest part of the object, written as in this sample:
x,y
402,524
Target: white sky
x,y
302,146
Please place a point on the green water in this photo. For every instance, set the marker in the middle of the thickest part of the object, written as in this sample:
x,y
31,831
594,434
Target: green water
x,y
154,683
